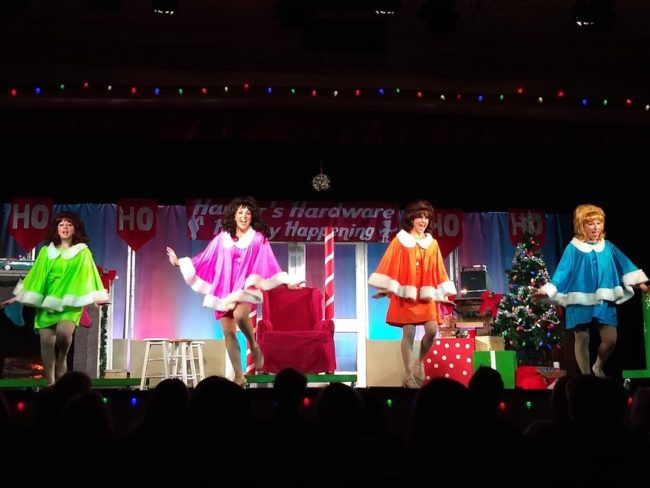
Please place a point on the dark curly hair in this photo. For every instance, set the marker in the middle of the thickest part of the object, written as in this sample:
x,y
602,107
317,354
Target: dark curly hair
x,y
256,216
415,209
79,229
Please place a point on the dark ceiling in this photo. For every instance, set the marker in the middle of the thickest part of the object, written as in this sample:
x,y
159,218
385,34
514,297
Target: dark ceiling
x,y
491,156
495,43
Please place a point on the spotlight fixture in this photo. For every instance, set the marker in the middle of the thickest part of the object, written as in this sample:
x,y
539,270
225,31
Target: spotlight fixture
x,y
594,15
164,7
347,25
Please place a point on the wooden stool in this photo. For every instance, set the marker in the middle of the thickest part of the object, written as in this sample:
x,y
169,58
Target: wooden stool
x,y
148,358
197,347
182,351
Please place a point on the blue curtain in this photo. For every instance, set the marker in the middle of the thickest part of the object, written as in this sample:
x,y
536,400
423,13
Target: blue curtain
x,y
165,306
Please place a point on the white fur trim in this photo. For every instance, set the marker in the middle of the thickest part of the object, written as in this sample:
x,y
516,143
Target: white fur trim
x,y
634,278
256,281
53,252
387,285
58,304
441,292
617,294
383,283
550,289
230,302
448,288
584,247
27,297
189,275
407,240
242,243
409,292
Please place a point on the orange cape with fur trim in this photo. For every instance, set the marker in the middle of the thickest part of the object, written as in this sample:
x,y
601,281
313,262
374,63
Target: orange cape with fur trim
x,y
413,274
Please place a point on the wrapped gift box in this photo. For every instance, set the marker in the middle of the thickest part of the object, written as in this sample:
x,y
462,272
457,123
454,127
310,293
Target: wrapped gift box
x,y
447,333
116,373
469,315
450,358
490,343
505,362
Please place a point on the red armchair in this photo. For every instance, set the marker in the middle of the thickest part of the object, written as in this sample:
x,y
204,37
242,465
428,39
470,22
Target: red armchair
x,y
293,334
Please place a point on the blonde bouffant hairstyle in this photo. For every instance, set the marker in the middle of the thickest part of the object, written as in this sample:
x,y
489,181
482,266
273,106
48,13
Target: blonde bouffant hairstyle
x,y
585,214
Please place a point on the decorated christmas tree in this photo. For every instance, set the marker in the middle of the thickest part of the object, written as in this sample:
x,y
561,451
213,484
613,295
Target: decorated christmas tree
x,y
525,322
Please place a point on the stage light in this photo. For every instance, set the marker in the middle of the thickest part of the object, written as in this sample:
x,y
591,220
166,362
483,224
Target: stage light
x,y
164,7
594,15
347,25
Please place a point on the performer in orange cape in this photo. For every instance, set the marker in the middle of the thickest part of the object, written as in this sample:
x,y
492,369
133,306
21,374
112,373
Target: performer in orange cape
x,y
412,274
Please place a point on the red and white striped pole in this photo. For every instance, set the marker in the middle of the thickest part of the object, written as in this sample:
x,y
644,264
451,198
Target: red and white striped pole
x,y
329,274
250,360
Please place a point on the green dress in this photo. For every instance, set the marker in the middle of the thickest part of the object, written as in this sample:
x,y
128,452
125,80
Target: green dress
x,y
60,284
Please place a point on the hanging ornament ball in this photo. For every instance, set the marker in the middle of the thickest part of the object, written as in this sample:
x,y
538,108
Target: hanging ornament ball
x,y
321,182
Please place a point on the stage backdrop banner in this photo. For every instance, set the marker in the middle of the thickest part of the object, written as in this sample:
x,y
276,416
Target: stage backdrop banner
x,y
448,229
521,220
28,220
303,221
136,221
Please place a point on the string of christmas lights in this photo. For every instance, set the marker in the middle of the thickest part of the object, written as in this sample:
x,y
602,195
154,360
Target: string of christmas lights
x,y
513,96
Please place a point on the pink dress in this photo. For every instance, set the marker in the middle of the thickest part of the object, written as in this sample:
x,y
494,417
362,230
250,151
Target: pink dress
x,y
231,271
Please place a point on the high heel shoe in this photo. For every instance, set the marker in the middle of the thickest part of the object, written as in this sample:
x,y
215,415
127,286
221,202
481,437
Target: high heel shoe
x,y
598,370
418,372
410,383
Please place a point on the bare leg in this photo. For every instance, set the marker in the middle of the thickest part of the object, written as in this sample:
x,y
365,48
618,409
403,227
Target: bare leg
x,y
48,339
406,346
64,332
430,330
243,319
581,348
605,349
229,327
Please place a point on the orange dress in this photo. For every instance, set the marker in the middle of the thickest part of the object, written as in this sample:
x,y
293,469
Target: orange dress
x,y
413,274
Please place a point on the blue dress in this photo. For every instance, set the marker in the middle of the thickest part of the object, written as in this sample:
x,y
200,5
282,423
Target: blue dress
x,y
590,280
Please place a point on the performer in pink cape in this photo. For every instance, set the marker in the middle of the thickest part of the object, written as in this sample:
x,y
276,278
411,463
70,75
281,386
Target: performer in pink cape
x,y
232,271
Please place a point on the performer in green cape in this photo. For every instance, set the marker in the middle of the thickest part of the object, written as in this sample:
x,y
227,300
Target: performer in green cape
x,y
63,280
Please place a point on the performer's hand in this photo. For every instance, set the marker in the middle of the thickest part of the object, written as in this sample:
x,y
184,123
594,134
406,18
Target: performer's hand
x,y
297,286
644,287
449,303
8,301
380,294
173,259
